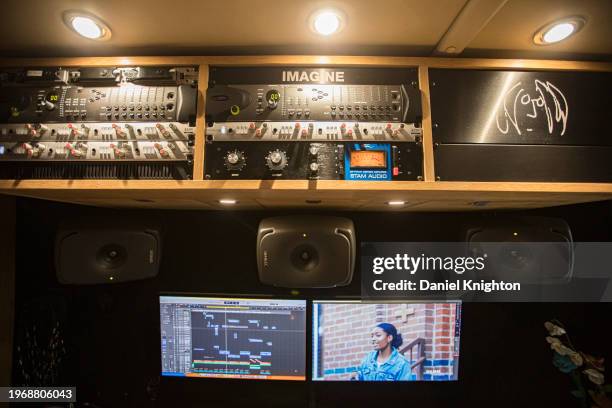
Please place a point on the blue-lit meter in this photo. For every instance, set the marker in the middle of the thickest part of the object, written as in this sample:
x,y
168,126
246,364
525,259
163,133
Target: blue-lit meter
x,y
368,161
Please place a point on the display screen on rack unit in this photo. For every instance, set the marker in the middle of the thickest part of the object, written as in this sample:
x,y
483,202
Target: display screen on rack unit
x,y
233,338
355,341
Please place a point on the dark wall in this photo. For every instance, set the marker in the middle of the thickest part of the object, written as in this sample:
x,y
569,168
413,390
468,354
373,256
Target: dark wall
x,y
111,332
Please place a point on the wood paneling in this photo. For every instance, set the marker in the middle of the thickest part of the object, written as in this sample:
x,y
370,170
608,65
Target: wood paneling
x,y
428,156
200,134
316,60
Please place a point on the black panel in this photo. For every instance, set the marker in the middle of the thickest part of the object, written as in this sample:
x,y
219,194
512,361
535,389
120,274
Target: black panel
x,y
330,158
467,105
479,162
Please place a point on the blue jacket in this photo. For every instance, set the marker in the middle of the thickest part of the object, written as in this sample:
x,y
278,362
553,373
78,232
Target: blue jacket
x,y
396,368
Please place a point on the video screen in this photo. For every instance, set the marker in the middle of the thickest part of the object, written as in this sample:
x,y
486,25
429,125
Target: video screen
x,y
355,341
233,338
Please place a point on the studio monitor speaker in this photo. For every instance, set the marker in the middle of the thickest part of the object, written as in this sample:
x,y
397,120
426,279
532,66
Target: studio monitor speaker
x,y
529,249
94,254
306,251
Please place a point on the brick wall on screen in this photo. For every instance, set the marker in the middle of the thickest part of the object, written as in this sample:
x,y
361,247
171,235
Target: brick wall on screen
x,y
346,335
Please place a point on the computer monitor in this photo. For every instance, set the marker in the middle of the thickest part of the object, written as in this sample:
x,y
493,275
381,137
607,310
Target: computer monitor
x,y
354,341
233,338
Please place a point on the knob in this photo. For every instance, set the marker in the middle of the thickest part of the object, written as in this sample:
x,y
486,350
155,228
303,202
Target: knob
x,y
41,148
314,167
276,157
276,160
76,153
74,131
162,151
120,153
235,160
118,131
28,149
272,98
48,105
313,149
31,130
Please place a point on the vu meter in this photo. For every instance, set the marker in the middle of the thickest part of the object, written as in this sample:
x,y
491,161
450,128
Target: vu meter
x,y
369,161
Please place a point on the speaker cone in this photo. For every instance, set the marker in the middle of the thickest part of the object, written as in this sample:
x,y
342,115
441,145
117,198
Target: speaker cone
x,y
111,256
305,257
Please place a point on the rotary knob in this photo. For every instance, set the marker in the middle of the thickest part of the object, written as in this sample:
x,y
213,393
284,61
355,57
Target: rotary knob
x,y
235,160
314,167
272,99
276,160
44,104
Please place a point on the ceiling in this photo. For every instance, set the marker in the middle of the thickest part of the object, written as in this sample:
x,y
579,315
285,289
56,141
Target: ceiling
x,y
475,28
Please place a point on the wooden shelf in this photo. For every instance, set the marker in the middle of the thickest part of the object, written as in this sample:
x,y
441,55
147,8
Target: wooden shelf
x,y
338,195
427,195
304,60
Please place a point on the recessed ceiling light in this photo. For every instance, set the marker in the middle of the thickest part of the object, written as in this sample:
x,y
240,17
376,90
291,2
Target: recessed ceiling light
x,y
396,202
558,30
227,201
87,25
327,22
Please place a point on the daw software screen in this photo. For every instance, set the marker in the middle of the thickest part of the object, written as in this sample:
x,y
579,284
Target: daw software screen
x,y
233,338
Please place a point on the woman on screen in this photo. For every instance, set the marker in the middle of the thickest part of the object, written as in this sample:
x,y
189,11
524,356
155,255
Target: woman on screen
x,y
384,363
